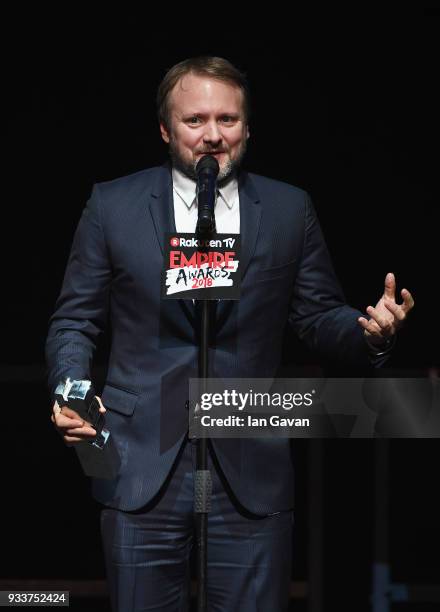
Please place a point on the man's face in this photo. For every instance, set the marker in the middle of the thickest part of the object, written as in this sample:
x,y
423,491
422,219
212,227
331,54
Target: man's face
x,y
206,117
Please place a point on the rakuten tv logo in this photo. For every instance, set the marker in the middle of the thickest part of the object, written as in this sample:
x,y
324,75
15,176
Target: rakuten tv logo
x,y
196,243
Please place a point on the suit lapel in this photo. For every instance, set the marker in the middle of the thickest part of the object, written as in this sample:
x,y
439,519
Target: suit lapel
x,y
161,204
250,217
162,213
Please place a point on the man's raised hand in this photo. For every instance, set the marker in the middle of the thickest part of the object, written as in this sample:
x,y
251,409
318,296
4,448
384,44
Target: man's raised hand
x,y
387,316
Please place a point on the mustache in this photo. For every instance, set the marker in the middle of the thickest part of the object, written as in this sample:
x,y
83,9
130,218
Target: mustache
x,y
211,151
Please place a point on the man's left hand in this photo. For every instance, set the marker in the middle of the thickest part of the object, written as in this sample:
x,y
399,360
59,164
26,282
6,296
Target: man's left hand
x,y
386,316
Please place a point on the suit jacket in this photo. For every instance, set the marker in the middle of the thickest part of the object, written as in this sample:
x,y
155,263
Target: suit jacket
x,y
114,272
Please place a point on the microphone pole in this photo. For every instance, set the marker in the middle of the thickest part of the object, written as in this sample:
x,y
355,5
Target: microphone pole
x,y
207,170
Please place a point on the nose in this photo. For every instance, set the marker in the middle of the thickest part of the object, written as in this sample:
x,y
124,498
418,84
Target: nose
x,y
212,134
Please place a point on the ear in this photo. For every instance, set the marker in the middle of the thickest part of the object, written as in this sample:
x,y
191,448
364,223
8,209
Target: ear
x,y
164,133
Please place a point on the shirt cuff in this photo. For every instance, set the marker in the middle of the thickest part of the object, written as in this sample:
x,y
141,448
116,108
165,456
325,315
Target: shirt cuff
x,y
383,349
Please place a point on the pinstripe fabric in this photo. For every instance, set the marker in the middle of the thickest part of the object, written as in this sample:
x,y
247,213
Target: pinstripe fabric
x,y
114,272
147,552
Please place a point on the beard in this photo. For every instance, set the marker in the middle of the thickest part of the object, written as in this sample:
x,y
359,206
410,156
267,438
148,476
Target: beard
x,y
188,167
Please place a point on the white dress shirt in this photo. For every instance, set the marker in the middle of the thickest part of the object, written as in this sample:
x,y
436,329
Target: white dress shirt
x,y
227,206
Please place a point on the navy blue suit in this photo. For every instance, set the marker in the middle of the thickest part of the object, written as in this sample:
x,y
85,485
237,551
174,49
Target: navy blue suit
x,y
114,271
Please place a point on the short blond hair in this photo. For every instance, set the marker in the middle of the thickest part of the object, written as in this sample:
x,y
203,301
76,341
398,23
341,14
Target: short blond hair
x,y
209,66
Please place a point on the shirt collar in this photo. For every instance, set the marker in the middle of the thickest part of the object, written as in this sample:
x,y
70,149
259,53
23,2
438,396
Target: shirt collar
x,y
185,188
229,193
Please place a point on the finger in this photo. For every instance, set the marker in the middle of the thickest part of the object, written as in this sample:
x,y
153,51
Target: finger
x,y
101,406
396,310
364,323
87,432
408,301
54,420
64,422
69,440
383,323
56,408
370,326
70,413
390,286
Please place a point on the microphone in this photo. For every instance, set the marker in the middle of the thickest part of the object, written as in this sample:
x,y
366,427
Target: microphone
x,y
207,170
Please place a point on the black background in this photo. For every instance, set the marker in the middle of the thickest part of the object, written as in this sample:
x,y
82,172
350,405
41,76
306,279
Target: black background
x,y
344,106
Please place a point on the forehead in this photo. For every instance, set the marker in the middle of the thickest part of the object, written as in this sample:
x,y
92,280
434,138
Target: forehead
x,y
197,94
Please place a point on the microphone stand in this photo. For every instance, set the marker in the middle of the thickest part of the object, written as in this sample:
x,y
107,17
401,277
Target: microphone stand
x,y
202,480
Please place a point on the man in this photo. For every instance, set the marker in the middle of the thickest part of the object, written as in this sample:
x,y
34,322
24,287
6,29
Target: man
x,y
287,279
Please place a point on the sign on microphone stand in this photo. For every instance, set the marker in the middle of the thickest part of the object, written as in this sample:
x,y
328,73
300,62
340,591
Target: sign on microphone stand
x,y
201,268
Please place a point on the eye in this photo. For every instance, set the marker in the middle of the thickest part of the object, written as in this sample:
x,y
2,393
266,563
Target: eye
x,y
193,120
228,119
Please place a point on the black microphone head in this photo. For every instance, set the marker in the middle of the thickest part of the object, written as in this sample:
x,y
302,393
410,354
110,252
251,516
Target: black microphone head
x,y
207,163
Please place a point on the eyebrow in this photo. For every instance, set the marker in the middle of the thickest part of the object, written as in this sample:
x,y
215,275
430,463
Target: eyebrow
x,y
201,114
